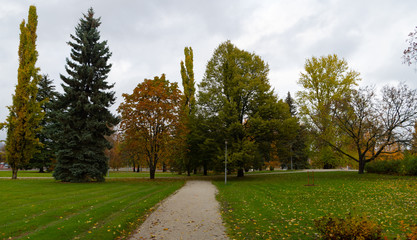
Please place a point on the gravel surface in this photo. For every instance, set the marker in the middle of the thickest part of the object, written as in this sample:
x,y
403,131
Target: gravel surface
x,y
191,213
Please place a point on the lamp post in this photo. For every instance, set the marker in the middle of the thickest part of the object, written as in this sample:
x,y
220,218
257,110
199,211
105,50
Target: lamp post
x,y
225,163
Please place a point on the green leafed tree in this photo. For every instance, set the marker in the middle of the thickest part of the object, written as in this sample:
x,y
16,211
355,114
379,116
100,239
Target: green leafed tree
x,y
188,159
239,106
25,112
83,119
298,147
325,81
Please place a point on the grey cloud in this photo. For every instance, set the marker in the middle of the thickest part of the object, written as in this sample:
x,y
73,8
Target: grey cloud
x,y
147,38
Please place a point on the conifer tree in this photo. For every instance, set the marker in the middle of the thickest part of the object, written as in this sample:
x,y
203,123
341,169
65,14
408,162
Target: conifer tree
x,y
84,119
25,113
47,97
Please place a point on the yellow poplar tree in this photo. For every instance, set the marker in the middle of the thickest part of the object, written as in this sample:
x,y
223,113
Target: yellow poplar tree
x,y
25,113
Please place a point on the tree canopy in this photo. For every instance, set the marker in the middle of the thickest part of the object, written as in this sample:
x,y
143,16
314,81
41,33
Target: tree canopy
x,y
374,124
325,80
151,116
239,106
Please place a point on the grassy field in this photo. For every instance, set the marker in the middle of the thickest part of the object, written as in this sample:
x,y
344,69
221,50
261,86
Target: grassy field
x,y
45,209
126,174
282,207
112,174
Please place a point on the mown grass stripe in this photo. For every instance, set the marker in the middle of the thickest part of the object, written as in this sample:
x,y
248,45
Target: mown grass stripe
x,y
75,203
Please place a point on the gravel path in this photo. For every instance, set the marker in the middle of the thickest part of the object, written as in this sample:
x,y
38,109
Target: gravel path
x,y
191,213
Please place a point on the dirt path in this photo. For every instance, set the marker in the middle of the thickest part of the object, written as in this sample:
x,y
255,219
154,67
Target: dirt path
x,y
191,213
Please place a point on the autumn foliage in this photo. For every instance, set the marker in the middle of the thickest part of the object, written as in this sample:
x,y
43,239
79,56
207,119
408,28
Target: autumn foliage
x,y
151,116
25,112
351,227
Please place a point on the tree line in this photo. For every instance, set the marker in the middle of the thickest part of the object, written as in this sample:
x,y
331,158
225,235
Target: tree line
x,y
330,123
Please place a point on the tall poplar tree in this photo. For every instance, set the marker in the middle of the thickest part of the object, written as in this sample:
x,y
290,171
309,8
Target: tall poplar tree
x,y
187,75
83,119
188,107
25,113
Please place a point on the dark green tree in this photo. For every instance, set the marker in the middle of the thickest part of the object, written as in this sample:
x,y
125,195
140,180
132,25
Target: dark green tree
x,y
239,106
299,146
84,119
47,97
291,104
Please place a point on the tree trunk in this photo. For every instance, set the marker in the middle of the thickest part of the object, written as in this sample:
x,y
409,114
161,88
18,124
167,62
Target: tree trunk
x,y
152,172
138,168
195,170
362,163
205,169
14,173
164,167
41,170
188,170
240,172
134,169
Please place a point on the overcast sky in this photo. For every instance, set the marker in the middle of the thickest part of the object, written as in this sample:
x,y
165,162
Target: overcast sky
x,y
147,38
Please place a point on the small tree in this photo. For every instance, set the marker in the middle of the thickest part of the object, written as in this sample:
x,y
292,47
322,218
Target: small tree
x,y
372,124
25,112
151,115
298,145
83,118
114,154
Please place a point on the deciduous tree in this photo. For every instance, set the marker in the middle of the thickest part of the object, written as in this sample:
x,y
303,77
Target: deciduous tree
x,y
25,112
185,138
325,80
375,124
151,115
83,119
236,99
114,154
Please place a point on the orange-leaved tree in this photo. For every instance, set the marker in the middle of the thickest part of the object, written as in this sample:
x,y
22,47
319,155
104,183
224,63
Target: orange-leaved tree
x,y
151,114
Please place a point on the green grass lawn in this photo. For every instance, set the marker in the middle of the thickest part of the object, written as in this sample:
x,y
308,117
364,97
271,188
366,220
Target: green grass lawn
x,y
45,209
112,174
24,174
125,174
282,207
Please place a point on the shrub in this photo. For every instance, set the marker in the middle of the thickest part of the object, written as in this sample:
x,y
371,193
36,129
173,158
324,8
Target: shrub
x,y
410,165
405,166
352,227
384,167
